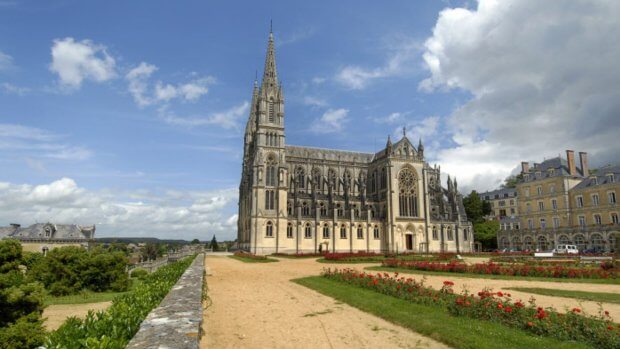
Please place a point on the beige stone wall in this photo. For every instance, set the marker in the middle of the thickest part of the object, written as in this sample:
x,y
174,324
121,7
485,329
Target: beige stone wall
x,y
590,208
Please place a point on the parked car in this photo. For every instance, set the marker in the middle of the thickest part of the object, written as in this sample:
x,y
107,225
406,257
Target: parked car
x,y
570,249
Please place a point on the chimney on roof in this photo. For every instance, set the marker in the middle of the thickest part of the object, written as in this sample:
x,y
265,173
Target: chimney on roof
x,y
570,158
583,159
525,167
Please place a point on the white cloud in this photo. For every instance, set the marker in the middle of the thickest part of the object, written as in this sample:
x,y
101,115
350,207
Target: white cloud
x,y
543,76
400,62
314,101
16,90
179,214
331,121
6,61
295,36
228,119
318,80
34,145
138,83
144,95
75,62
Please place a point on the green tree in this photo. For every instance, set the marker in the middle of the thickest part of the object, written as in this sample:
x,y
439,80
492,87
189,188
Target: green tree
x,y
511,181
474,207
486,234
195,242
214,245
150,251
21,302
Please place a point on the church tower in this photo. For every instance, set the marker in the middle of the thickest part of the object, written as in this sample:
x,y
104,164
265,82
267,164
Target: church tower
x,y
264,163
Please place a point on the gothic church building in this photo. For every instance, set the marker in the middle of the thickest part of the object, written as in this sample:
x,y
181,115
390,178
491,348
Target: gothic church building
x,y
295,199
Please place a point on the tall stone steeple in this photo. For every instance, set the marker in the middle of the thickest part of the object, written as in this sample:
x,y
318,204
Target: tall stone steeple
x,y
270,74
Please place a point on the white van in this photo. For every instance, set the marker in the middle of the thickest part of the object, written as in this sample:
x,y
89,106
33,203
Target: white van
x,y
570,249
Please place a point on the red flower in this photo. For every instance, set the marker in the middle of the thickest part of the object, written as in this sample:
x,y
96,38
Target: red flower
x,y
576,310
375,281
530,324
606,313
609,327
500,306
467,303
448,283
500,294
508,309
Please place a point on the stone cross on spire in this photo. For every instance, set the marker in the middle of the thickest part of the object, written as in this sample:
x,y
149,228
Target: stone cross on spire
x,y
404,131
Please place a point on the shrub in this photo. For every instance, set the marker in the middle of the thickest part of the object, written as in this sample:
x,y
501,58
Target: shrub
x,y
248,255
114,327
139,273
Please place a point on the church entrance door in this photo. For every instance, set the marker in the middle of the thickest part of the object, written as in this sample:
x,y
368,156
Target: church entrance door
x,y
409,242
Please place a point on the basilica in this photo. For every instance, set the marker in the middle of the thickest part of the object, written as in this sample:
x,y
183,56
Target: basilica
x,y
295,199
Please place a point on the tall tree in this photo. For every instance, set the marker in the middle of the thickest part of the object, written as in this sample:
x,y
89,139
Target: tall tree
x,y
474,207
214,245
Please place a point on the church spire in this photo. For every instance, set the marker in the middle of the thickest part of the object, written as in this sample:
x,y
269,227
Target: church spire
x,y
270,75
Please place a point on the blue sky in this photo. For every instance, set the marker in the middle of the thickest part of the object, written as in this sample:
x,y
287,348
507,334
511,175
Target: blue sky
x,y
130,115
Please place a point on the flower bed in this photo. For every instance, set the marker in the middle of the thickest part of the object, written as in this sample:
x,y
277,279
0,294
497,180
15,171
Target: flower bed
x,y
298,255
599,330
362,256
248,255
491,268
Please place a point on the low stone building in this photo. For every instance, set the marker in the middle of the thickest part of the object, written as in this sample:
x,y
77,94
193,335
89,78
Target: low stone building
x,y
42,237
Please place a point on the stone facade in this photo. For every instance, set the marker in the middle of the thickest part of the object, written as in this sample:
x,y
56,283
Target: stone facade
x,y
560,203
42,237
296,199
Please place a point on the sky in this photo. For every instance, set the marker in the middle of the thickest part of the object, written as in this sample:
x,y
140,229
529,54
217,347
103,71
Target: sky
x,y
130,114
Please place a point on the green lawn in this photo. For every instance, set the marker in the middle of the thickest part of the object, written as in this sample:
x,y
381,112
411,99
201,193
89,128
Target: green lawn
x,y
252,260
88,296
497,277
434,322
588,296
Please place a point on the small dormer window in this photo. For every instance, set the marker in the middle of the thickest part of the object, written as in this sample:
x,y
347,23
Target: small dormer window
x,y
538,174
594,180
551,172
526,177
610,177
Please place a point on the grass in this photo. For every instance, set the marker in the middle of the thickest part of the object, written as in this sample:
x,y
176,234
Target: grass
x,y
433,322
496,277
292,256
588,296
87,296
253,260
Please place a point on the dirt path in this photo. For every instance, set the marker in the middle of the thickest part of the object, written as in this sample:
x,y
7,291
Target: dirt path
x,y
256,306
57,314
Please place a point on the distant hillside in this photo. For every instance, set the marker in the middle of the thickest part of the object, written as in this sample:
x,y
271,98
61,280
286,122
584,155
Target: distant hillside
x,y
137,240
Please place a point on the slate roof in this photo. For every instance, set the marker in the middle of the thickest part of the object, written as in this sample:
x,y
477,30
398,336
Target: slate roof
x,y
328,154
57,232
601,177
558,164
511,192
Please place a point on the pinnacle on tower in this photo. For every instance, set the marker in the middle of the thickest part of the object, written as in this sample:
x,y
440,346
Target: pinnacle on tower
x,y
420,145
270,74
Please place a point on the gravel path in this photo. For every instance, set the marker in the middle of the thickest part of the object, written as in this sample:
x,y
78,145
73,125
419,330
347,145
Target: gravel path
x,y
254,305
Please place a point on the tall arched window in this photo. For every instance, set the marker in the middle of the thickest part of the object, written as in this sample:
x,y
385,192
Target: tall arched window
x,y
465,234
289,231
449,233
271,175
373,182
435,235
343,232
408,193
269,229
326,231
270,199
375,232
300,175
272,112
360,232
383,183
308,231
316,179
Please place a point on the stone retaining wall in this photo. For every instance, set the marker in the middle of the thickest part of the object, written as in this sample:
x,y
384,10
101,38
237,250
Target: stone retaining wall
x,y
176,322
